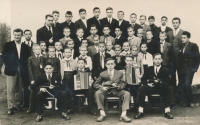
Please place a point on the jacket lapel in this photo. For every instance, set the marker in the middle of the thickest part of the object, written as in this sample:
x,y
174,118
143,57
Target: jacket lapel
x,y
165,47
81,22
187,47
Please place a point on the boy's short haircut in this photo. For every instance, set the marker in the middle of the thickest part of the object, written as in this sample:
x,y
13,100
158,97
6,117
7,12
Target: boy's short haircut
x,y
83,47
118,27
66,49
79,29
18,30
70,40
126,42
108,42
48,15
93,25
121,12
149,31
163,32
143,43
117,46
130,28
133,14
66,28
176,18
133,46
143,16
57,42
84,39
42,42
95,36
151,17
156,55
51,47
55,11
82,10
102,43
48,64
68,13
164,17
81,59
27,30
109,8
34,46
106,26
129,56
187,34
96,8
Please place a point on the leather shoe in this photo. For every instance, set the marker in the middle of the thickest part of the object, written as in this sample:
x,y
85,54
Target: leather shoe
x,y
65,116
168,115
125,119
101,118
10,111
39,118
139,115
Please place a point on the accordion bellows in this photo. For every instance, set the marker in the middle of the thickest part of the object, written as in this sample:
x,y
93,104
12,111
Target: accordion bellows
x,y
82,80
132,74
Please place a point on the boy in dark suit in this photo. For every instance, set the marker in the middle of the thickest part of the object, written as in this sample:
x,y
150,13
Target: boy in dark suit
x,y
164,27
189,58
77,41
43,49
92,50
67,33
107,37
119,39
110,21
133,18
96,21
56,24
82,23
35,67
119,59
122,24
99,61
156,81
68,23
28,41
154,28
53,59
53,80
93,31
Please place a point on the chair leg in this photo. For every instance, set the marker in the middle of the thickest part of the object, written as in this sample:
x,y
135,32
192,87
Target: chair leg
x,y
79,104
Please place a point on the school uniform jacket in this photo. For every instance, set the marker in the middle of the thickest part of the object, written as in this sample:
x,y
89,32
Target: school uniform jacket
x,y
124,25
98,24
71,27
112,26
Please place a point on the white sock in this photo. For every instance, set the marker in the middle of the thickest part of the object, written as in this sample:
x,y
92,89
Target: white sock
x,y
132,99
102,113
86,101
140,109
123,113
56,108
167,109
146,98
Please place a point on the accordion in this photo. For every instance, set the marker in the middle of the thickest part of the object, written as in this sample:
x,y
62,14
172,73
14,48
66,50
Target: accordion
x,y
131,75
82,80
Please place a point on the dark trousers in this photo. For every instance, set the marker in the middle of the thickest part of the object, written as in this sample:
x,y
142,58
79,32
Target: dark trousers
x,y
41,98
133,89
26,95
185,87
32,99
1,63
175,67
166,93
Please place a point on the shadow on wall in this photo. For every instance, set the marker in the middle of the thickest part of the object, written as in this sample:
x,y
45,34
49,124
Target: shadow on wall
x,y
5,35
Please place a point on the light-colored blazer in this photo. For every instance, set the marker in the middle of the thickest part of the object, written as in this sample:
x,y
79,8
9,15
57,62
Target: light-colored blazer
x,y
110,38
63,63
90,40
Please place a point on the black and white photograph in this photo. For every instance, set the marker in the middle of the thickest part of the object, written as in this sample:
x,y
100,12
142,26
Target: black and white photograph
x,y
99,62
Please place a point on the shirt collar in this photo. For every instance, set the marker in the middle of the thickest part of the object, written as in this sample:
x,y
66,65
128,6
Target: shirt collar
x,y
18,43
48,27
67,59
37,55
81,69
118,37
102,53
163,42
177,30
48,75
158,68
109,18
51,56
163,26
112,71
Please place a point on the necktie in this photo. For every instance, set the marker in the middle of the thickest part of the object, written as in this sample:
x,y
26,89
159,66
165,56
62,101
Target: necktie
x,y
118,59
110,21
133,25
67,64
175,32
59,56
183,47
161,47
110,74
144,56
54,24
102,61
50,30
156,71
49,78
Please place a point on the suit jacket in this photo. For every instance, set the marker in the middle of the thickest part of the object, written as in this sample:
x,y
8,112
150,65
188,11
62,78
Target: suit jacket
x,y
110,38
97,69
71,27
136,27
153,47
176,41
189,57
167,54
163,75
42,80
104,80
35,67
72,64
98,24
120,63
92,51
11,60
58,29
44,35
124,25
30,48
79,24
145,28
90,40
155,32
121,40
112,26
56,63
167,29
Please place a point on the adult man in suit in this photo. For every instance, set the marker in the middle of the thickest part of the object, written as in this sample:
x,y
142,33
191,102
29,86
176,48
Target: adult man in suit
x,y
82,23
189,58
133,18
153,27
123,24
15,55
68,23
96,21
110,82
144,26
47,33
174,37
164,27
110,21
57,26
119,38
156,81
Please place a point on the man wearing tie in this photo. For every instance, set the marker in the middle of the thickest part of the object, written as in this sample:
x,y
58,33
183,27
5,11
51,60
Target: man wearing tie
x,y
123,24
96,21
189,58
15,55
174,37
